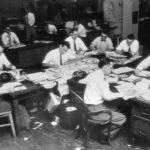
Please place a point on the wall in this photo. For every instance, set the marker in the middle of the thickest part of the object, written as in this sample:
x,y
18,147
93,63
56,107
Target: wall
x,y
12,8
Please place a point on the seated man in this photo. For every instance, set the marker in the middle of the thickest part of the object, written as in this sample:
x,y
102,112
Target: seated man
x,y
58,56
76,44
129,46
4,63
51,29
9,38
98,93
143,65
102,43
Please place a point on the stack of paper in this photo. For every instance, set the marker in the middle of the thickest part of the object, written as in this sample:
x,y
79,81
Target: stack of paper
x,y
37,76
144,73
122,70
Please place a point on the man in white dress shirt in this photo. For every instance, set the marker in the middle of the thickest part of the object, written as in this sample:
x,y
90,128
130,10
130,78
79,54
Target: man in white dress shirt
x,y
58,56
30,26
4,62
9,38
98,93
102,43
76,44
129,46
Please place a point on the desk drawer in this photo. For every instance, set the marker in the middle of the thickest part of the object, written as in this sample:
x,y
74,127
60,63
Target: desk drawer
x,y
141,111
141,127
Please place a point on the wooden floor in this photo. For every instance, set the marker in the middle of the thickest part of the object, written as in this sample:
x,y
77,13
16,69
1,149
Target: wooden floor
x,y
48,137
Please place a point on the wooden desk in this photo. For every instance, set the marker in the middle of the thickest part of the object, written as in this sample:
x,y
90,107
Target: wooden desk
x,y
29,55
34,92
140,120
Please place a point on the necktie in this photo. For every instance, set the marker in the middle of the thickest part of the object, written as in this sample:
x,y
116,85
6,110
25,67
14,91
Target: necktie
x,y
60,59
9,38
129,50
75,48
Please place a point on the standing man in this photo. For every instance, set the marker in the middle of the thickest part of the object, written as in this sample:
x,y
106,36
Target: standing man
x,y
9,38
30,26
102,43
76,44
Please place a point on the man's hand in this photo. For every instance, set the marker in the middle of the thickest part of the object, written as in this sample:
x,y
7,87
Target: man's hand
x,y
137,71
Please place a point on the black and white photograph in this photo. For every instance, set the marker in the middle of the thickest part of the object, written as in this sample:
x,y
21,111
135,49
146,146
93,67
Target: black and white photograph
x,y
74,74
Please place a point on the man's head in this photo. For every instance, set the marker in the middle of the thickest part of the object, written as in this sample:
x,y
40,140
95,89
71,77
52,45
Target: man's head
x,y
105,64
103,35
8,30
64,46
74,33
130,38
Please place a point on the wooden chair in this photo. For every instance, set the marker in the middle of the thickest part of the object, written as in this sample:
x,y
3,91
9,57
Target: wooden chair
x,y
88,123
8,114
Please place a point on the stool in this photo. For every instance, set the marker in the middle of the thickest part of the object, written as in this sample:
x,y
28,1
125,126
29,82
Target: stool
x,y
11,122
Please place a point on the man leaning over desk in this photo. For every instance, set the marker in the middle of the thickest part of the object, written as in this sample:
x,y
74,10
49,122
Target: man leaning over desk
x,y
128,46
58,56
4,62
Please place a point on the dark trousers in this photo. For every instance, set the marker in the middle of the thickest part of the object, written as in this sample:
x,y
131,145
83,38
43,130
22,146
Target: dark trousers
x,y
31,34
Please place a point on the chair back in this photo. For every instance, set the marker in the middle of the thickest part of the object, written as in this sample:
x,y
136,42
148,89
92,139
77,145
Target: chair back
x,y
78,101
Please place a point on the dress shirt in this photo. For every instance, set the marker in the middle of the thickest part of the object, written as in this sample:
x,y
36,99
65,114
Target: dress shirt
x,y
81,30
134,47
10,40
53,57
51,29
30,19
79,44
102,46
97,89
4,61
144,64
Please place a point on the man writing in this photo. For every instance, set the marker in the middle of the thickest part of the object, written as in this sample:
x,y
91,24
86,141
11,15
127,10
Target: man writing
x,y
129,46
58,56
102,43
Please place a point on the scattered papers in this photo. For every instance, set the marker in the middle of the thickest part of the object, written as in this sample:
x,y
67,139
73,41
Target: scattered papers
x,y
142,86
11,87
37,76
128,90
122,70
145,95
132,78
144,73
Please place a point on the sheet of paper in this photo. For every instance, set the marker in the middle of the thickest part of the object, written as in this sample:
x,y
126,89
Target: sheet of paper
x,y
132,78
127,89
122,70
145,95
144,73
37,76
